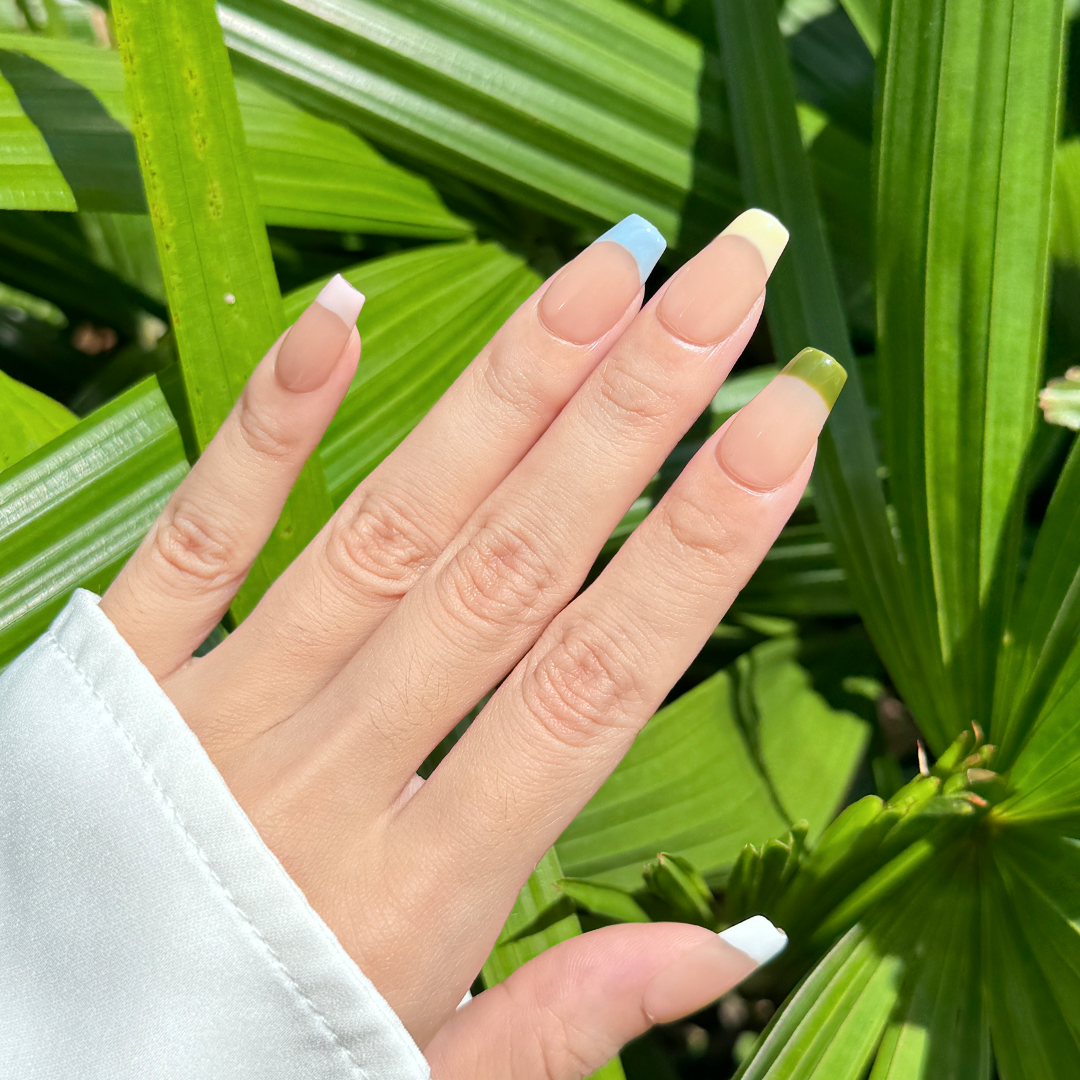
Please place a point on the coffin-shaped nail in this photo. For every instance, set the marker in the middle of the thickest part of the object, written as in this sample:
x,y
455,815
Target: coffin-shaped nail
x,y
757,937
768,439
315,341
591,293
708,299
641,238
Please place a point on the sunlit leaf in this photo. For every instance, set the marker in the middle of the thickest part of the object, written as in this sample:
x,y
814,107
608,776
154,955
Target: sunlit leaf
x,y
586,109
29,420
308,172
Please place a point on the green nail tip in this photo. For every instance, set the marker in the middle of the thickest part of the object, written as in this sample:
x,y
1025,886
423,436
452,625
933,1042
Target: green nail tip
x,y
819,370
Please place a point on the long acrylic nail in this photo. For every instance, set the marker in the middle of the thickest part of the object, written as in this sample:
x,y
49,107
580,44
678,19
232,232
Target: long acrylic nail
x,y
701,975
591,294
710,296
769,438
314,342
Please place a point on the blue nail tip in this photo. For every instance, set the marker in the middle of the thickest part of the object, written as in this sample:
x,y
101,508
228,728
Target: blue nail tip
x,y
641,238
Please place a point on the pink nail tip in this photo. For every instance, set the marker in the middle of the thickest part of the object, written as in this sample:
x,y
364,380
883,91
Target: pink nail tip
x,y
338,296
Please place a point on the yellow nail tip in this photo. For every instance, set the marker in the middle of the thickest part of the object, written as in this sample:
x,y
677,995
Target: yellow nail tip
x,y
819,370
764,231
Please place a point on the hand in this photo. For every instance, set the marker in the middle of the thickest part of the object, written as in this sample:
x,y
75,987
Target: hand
x,y
452,570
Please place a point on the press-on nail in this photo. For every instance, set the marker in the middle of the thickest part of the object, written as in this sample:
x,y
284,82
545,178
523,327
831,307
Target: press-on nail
x,y
338,296
315,341
764,231
757,937
590,294
769,439
641,238
711,295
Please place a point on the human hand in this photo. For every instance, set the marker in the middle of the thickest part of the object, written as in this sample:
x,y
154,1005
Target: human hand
x,y
451,570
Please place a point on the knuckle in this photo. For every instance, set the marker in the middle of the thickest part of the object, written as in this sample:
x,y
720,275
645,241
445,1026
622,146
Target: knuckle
x,y
582,686
633,400
379,549
509,377
499,576
713,539
195,548
261,430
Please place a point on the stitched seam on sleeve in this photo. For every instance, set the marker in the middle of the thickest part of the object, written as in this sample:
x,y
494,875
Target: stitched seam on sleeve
x,y
167,803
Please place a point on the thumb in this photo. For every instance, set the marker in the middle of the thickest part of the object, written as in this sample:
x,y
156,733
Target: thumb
x,y
566,1013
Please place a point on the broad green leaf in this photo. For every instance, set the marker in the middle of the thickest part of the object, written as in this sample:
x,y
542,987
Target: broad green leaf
x,y
968,123
540,893
688,785
803,308
1032,916
219,277
29,178
808,750
71,514
428,312
586,109
28,419
309,172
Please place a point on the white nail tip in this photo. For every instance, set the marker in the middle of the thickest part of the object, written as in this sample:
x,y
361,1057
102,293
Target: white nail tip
x,y
338,296
764,231
757,937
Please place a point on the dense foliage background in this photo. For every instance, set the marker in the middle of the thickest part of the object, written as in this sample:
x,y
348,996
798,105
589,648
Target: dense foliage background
x,y
446,155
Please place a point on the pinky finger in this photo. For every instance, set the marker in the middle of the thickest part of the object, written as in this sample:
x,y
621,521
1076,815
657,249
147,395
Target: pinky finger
x,y
181,580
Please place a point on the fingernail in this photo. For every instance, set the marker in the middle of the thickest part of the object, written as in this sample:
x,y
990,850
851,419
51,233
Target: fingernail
x,y
314,342
591,294
769,439
702,974
710,296
757,937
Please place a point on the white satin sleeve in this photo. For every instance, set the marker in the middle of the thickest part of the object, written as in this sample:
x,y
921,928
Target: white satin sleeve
x,y
146,931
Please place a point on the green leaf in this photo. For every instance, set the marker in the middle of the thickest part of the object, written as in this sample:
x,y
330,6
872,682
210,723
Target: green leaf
x,y
586,109
29,179
219,277
678,885
803,308
831,1025
540,893
72,513
808,750
1032,913
607,900
30,419
1065,217
1040,662
969,118
309,173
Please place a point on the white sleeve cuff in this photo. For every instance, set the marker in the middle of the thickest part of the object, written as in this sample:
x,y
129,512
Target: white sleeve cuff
x,y
145,928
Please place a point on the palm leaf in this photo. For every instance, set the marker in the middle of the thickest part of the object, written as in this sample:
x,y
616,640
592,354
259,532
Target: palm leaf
x,y
66,110
586,109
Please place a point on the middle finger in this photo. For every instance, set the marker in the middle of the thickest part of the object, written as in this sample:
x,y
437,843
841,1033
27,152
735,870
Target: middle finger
x,y
527,549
